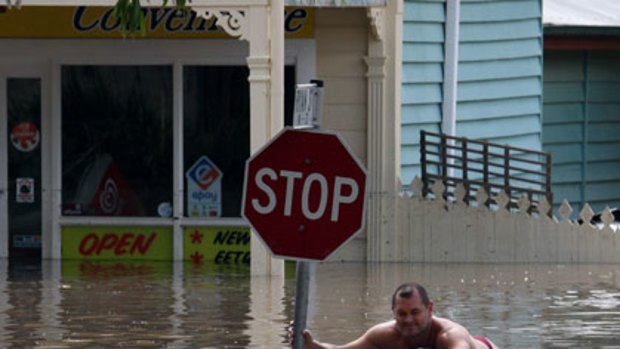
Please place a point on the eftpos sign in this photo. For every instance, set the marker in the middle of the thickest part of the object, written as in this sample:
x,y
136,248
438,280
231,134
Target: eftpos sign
x,y
204,189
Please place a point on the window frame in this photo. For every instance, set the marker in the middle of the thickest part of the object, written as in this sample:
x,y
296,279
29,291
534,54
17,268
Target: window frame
x,y
300,53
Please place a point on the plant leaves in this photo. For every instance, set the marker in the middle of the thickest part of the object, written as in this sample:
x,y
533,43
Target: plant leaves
x,y
132,18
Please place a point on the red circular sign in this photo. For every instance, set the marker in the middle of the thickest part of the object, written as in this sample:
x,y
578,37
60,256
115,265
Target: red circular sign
x,y
304,194
25,136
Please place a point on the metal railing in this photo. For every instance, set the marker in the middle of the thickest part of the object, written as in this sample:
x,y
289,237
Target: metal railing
x,y
477,163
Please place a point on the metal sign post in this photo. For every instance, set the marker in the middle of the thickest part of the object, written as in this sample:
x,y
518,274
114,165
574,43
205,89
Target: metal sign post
x,y
308,113
303,275
306,203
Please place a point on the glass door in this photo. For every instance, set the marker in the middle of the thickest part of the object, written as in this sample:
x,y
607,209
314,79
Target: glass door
x,y
20,163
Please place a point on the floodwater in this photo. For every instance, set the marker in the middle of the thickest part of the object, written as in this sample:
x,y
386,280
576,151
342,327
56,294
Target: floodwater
x,y
167,305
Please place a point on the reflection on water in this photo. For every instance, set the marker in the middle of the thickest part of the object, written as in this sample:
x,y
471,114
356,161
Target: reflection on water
x,y
164,305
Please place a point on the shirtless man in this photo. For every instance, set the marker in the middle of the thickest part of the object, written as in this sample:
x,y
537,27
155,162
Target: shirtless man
x,y
413,327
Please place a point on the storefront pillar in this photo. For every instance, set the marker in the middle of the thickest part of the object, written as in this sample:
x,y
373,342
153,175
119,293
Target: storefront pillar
x,y
383,124
262,25
266,63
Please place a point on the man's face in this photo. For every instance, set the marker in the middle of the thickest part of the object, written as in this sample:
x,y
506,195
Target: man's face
x,y
412,317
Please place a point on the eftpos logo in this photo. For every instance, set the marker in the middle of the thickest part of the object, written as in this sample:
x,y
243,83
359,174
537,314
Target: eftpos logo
x,y
203,173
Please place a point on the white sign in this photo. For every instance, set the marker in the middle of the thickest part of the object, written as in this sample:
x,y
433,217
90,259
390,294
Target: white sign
x,y
24,190
336,194
308,110
204,189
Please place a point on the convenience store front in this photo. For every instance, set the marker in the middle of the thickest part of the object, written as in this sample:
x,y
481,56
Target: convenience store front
x,y
129,148
135,148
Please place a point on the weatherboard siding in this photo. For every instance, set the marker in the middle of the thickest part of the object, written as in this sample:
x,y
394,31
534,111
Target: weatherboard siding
x,y
499,79
582,126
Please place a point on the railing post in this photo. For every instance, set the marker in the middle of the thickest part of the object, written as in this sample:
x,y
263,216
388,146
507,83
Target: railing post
x,y
507,175
464,155
444,160
423,163
548,184
485,171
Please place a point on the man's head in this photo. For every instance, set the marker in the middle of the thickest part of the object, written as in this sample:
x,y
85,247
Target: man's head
x,y
412,310
408,290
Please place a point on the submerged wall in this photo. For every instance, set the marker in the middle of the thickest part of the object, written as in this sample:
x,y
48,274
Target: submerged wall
x,y
436,230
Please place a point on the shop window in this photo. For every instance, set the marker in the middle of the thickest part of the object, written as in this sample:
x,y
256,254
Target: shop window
x,y
216,108
117,140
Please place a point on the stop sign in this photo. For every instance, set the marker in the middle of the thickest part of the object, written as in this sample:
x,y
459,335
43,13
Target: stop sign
x,y
304,194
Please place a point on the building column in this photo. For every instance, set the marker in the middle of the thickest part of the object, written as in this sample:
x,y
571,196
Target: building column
x,y
383,130
262,25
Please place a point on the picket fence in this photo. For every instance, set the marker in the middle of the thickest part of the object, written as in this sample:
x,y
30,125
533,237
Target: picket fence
x,y
443,227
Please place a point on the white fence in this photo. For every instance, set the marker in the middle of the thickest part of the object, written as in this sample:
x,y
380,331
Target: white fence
x,y
439,230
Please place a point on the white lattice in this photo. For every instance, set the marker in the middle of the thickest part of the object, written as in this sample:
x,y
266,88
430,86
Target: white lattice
x,y
232,21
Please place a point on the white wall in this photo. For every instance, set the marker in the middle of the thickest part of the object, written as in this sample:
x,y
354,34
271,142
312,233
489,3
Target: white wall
x,y
341,44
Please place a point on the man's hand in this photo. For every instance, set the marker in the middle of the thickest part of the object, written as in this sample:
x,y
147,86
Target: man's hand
x,y
309,342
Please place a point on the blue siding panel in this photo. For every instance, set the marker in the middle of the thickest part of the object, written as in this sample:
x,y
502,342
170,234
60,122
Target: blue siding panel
x,y
423,32
421,114
496,31
424,11
422,72
604,112
565,153
607,151
422,52
505,127
421,93
561,113
563,133
480,51
563,92
499,89
485,11
490,109
502,69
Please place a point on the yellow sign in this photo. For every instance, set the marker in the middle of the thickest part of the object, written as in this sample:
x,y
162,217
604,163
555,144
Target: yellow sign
x,y
82,269
99,22
117,243
219,245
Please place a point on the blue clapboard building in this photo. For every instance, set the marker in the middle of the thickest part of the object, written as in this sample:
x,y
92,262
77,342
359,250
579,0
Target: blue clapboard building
x,y
484,79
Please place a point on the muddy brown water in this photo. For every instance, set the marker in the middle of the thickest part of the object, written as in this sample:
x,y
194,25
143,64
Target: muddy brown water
x,y
168,305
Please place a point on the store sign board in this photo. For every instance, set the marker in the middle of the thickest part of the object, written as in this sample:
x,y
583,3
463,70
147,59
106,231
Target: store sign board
x,y
98,22
117,243
217,245
204,189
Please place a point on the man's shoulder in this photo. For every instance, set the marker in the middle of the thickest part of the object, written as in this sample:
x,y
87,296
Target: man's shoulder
x,y
450,332
386,327
381,334
447,325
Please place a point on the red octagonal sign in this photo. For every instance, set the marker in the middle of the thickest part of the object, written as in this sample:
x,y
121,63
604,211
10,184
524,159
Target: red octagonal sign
x,y
304,193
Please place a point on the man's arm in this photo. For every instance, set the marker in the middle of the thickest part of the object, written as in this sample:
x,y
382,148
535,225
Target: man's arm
x,y
455,338
369,340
